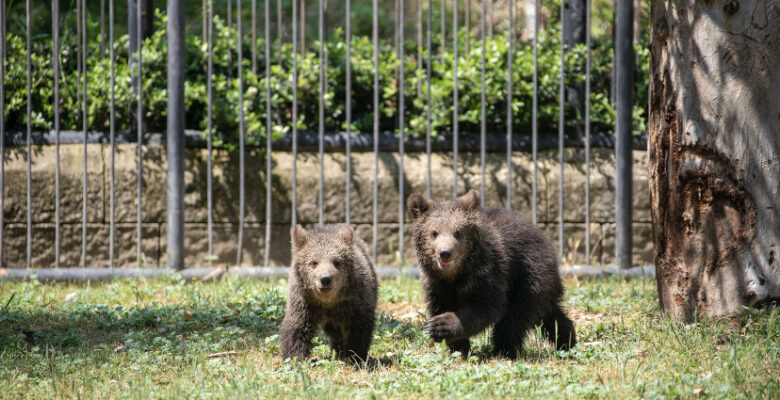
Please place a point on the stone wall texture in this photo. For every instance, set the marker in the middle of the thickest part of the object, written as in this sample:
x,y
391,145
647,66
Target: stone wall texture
x,y
226,204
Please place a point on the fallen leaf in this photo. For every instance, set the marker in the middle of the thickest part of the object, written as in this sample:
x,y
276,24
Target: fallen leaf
x,y
123,346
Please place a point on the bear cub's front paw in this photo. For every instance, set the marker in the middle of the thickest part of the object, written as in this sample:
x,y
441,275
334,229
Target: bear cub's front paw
x,y
444,326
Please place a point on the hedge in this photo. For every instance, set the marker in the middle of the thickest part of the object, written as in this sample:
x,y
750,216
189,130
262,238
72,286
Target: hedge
x,y
225,86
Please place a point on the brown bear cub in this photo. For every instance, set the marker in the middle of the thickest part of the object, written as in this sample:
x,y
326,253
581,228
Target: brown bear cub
x,y
483,267
332,285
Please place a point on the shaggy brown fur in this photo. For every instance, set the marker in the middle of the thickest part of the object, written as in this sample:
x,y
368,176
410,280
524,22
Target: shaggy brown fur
x,y
485,267
332,285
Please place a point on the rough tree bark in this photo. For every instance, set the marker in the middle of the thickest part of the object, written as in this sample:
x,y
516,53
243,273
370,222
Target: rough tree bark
x,y
715,154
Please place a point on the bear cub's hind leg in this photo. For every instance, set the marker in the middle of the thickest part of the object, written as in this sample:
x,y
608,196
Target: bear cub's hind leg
x,y
559,329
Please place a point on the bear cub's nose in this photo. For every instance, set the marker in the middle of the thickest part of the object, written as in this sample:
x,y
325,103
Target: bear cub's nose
x,y
325,280
445,254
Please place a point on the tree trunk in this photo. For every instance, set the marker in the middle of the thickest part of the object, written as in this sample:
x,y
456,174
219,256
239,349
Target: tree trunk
x,y
714,148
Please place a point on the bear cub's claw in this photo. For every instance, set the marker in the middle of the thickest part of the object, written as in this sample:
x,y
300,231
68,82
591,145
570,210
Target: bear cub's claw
x,y
444,326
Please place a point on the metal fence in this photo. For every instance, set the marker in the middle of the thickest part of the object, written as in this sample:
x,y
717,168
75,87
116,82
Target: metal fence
x,y
175,119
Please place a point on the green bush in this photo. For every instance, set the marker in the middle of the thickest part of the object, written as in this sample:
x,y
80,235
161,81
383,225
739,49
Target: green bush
x,y
225,86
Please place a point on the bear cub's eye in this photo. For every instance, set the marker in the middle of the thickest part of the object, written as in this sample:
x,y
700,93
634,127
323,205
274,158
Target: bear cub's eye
x,y
337,264
457,234
314,263
434,234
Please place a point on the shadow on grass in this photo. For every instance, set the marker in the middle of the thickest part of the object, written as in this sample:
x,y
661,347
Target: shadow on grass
x,y
73,328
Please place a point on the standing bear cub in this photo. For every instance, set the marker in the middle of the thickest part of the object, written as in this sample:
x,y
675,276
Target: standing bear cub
x,y
483,267
332,285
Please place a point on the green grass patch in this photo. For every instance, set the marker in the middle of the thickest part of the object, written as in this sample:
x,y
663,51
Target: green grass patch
x,y
177,339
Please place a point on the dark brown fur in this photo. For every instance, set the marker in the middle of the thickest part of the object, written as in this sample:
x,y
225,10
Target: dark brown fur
x,y
504,274
346,311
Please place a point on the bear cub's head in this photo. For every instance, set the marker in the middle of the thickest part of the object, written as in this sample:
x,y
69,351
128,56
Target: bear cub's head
x,y
444,230
323,260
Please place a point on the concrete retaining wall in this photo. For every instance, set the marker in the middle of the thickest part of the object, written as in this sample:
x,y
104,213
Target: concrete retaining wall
x,y
226,190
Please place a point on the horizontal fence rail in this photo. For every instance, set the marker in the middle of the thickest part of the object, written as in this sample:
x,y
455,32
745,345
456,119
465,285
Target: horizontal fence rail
x,y
206,273
282,130
336,142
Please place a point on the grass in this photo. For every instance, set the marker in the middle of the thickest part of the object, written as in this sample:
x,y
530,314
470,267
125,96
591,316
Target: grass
x,y
154,339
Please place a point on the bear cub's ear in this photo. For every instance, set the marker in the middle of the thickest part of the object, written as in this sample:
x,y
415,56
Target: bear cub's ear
x,y
469,201
418,205
299,236
345,234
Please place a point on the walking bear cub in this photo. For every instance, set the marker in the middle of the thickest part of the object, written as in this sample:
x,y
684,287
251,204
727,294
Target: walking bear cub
x,y
483,267
332,285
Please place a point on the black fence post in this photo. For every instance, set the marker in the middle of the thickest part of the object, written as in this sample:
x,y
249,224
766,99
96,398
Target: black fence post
x,y
175,139
624,64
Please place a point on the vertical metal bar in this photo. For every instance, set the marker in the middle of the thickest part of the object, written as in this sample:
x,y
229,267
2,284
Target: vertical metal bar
x,y
613,74
624,62
229,22
113,135
241,156
268,133
5,33
78,53
534,107
482,126
375,39
401,84
587,132
132,27
55,52
84,122
510,99
175,136
295,113
419,34
210,136
428,102
2,128
29,140
139,128
254,37
454,99
561,132
349,110
321,109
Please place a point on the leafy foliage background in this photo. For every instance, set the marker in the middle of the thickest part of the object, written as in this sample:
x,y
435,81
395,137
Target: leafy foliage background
x,y
225,85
